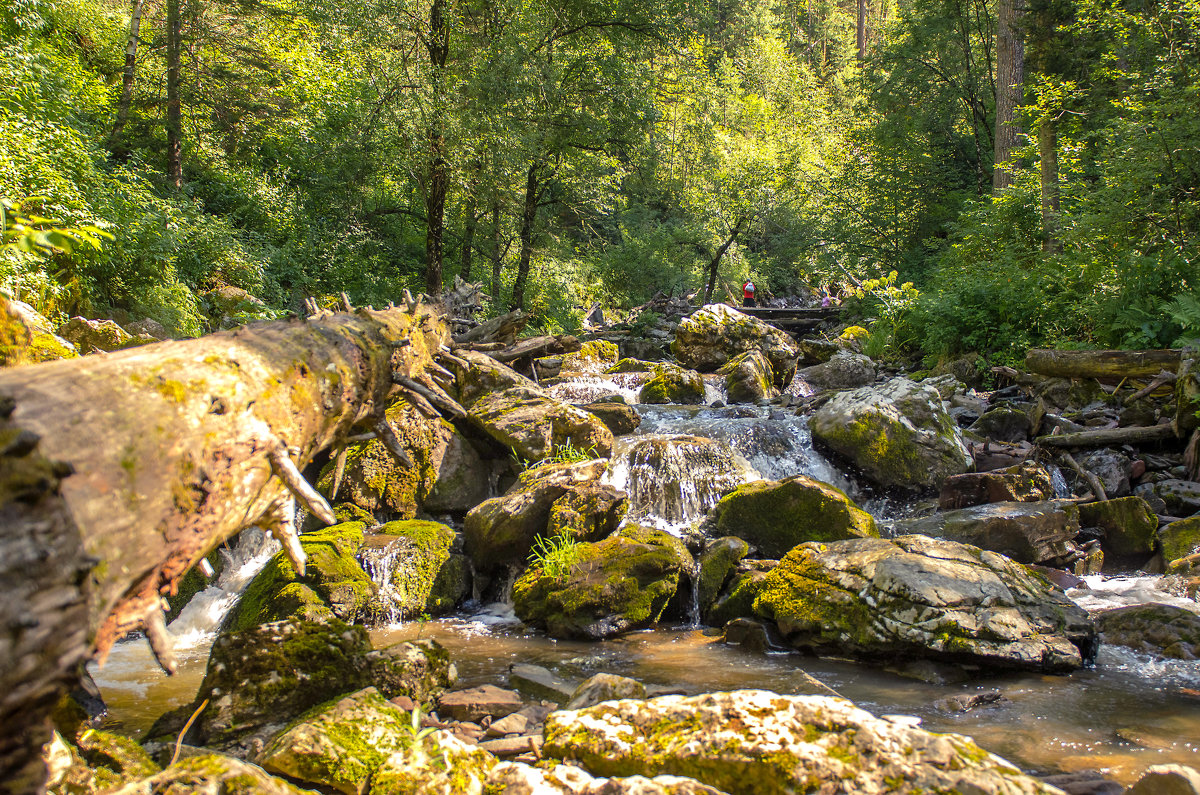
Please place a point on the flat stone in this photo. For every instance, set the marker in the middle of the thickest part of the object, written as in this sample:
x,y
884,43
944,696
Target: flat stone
x,y
605,687
480,702
538,682
1027,532
512,746
515,723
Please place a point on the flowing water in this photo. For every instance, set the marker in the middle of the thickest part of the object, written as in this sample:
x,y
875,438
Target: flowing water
x,y
1126,713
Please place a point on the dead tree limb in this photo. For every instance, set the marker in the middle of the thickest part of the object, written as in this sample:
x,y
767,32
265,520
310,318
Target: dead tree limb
x,y
175,447
1109,436
1100,364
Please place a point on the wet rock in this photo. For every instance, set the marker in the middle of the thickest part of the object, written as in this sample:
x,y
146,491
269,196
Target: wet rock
x,y
680,477
748,378
738,599
1027,532
965,702
673,384
462,477
846,370
750,635
259,679
212,774
1158,629
629,365
777,515
1084,782
1025,482
502,530
1111,467
1182,497
717,333
538,682
756,742
416,551
480,702
922,597
617,417
1167,780
609,587
717,563
96,335
816,351
605,687
898,434
533,425
1129,527
1003,424
587,512
513,778
334,584
28,338
1180,539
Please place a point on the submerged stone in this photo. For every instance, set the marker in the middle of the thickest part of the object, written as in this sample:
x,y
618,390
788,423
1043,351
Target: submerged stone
x,y
920,597
777,515
754,742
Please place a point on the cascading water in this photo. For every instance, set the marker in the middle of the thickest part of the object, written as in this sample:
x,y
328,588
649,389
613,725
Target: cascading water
x,y
590,388
380,562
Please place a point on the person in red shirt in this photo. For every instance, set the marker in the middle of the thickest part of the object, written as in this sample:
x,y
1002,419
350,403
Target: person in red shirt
x,y
748,294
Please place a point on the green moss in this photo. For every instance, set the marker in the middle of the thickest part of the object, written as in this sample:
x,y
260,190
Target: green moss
x,y
672,384
1180,539
425,550
1130,525
809,610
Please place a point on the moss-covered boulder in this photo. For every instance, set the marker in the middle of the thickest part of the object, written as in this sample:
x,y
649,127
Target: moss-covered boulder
x,y
628,365
28,338
1182,497
96,335
1187,395
334,584
501,531
1004,424
99,762
1157,629
921,597
193,582
212,774
416,553
1179,539
777,515
814,350
1130,527
898,434
534,425
754,742
363,742
748,378
716,333
606,588
737,599
375,481
259,680
1027,532
483,376
593,357
716,565
552,779
619,418
1024,482
845,370
673,384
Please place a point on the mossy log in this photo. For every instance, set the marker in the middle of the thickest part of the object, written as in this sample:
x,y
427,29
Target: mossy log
x,y
1110,437
174,447
1101,364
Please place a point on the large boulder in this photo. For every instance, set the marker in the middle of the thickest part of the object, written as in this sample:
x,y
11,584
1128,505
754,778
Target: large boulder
x,y
898,434
334,584
602,589
259,680
1025,482
483,376
754,742
777,515
717,333
28,338
1179,539
1182,497
96,335
363,742
921,597
620,418
1027,532
513,778
502,530
376,481
212,774
715,566
415,554
673,384
749,378
534,425
1153,628
1130,527
845,370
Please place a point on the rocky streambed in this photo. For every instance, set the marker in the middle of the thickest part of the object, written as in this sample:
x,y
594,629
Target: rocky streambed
x,y
678,592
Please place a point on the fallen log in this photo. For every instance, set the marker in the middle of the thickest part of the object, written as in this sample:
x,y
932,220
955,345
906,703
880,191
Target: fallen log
x,y
1109,436
536,346
1101,364
498,329
175,447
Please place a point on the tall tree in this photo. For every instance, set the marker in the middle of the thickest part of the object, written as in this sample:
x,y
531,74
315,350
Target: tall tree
x,y
174,110
115,144
438,47
1010,79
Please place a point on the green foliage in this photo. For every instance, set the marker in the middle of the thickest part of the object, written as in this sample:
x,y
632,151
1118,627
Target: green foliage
x,y
562,454
27,232
556,556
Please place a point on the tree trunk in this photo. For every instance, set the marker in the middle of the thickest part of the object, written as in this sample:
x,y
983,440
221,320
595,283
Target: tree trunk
x,y
1048,160
175,447
1109,437
496,253
528,217
1100,364
1010,76
470,221
438,47
861,30
715,264
131,49
174,113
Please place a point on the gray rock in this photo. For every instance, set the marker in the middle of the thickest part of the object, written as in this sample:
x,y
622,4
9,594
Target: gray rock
x,y
1157,629
605,687
1111,467
1027,532
1182,497
1004,424
538,682
1167,780
477,703
846,370
717,333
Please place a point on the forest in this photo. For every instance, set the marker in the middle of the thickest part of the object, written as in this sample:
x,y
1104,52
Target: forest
x,y
979,177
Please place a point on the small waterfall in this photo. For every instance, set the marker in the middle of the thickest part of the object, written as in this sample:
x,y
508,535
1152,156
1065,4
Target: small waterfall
x,y
199,620
1061,489
590,388
673,480
694,602
380,562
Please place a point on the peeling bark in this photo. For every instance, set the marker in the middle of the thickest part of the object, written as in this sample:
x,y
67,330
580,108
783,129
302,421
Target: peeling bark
x,y
175,447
